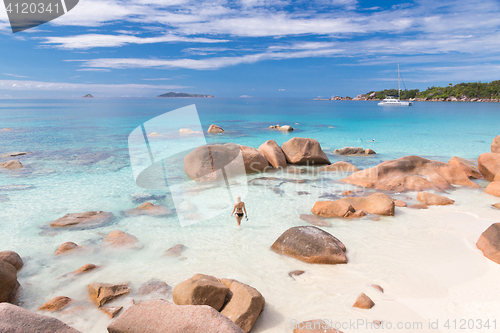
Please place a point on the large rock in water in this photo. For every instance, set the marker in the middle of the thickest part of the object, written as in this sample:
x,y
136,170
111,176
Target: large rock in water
x,y
15,319
494,187
201,290
12,258
215,129
495,145
243,304
489,165
377,203
102,293
56,304
273,154
8,282
469,167
85,220
431,199
311,245
120,239
160,316
11,165
304,151
411,173
254,160
489,243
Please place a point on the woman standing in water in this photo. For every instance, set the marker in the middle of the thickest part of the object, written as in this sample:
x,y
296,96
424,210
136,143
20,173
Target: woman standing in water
x,y
239,207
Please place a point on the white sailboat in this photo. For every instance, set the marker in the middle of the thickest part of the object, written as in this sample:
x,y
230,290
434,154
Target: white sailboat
x,y
392,100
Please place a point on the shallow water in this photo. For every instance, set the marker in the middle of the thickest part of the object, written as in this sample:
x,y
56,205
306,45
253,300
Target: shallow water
x,y
426,260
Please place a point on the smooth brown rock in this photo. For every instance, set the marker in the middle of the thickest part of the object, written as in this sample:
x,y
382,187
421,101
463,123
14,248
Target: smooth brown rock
x,y
468,167
377,203
431,199
369,151
411,173
149,209
67,247
314,220
273,154
400,203
102,293
9,284
159,316
295,273
495,145
56,304
379,288
493,188
215,129
489,165
254,160
419,206
333,208
339,167
304,151
350,151
11,165
12,258
315,326
120,239
85,220
18,320
489,242
497,205
311,245
201,290
85,268
243,305
154,286
363,302
174,251
111,311
285,128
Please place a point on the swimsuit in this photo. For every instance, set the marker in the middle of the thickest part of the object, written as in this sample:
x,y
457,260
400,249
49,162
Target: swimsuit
x,y
239,214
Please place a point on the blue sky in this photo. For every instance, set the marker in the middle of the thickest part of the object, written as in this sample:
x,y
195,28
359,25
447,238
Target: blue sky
x,y
259,48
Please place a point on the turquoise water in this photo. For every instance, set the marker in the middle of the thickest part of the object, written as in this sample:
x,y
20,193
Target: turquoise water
x,y
79,161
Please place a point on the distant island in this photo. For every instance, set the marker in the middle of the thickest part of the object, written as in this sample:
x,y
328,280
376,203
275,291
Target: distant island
x,y
184,95
88,96
461,92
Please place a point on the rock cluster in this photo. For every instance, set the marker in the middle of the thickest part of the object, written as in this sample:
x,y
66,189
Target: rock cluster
x,y
354,151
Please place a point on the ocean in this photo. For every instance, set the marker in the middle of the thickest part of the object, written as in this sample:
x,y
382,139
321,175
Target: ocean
x,y
426,260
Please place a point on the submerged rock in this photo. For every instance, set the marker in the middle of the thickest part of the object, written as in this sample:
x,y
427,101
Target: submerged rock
x,y
87,220
315,326
120,239
311,245
102,293
470,169
243,304
273,154
431,199
18,320
201,290
411,173
154,286
9,284
85,268
56,304
160,316
377,203
67,247
489,243
215,129
174,251
314,220
11,165
12,258
340,167
149,209
489,165
364,302
304,151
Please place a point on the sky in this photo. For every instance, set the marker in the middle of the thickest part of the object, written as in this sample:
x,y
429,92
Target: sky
x,y
256,48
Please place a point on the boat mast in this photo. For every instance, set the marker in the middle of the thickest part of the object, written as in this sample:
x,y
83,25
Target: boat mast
x,y
399,88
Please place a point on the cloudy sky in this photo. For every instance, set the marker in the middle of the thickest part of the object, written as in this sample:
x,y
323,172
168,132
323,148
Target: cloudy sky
x,y
260,48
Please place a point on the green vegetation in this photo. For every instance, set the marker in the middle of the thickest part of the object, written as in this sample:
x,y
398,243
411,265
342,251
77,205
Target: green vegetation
x,y
174,94
469,90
